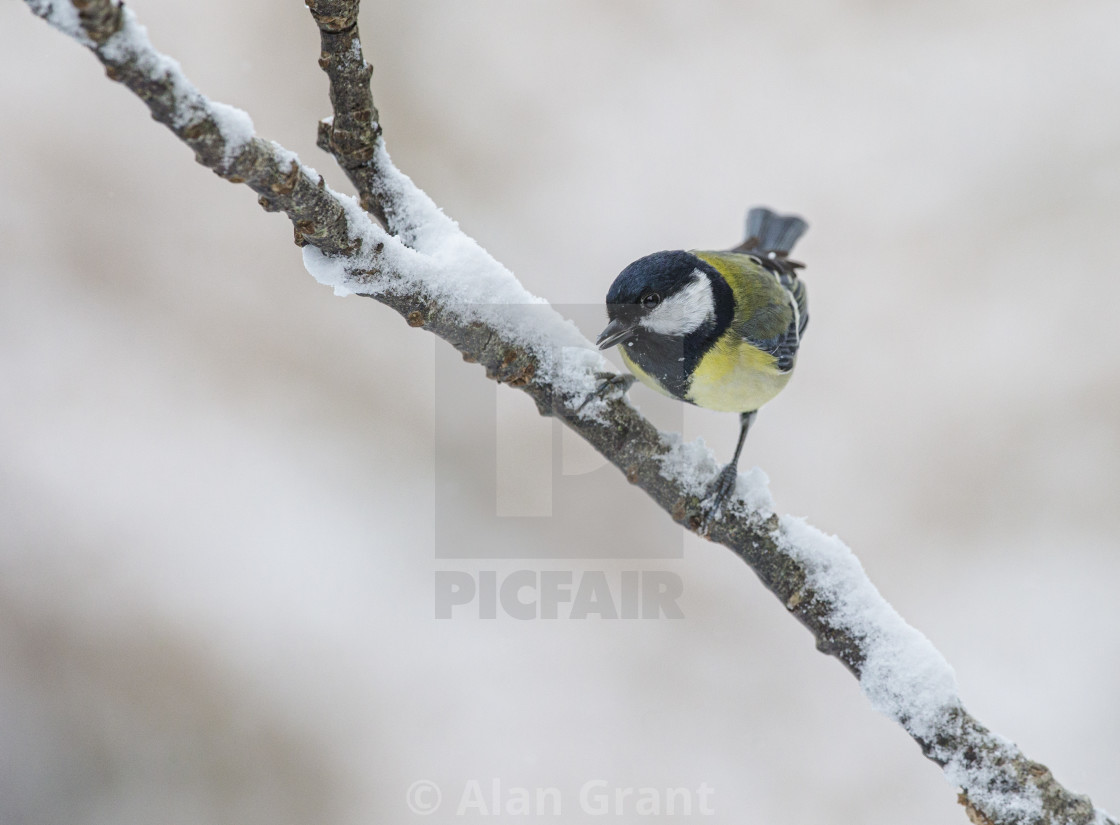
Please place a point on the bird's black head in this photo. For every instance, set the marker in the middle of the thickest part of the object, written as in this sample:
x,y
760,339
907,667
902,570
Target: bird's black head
x,y
667,310
666,294
660,274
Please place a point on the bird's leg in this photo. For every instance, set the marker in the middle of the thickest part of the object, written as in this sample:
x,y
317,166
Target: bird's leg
x,y
725,481
608,379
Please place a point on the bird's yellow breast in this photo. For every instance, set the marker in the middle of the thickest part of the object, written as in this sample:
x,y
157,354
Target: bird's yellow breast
x,y
734,376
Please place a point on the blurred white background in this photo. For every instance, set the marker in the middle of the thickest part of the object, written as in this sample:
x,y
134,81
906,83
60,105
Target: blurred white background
x,y
216,544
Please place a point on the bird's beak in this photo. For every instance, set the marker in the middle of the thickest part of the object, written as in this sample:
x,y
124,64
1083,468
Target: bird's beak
x,y
616,332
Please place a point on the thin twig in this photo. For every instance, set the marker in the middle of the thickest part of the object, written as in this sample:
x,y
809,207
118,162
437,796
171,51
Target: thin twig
x,y
353,133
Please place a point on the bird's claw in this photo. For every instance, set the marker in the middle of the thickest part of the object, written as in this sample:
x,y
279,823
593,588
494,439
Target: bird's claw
x,y
608,380
718,491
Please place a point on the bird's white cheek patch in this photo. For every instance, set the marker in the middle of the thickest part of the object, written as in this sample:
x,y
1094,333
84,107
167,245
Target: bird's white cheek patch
x,y
685,311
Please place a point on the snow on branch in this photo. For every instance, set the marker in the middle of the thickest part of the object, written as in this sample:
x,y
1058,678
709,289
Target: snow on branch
x,y
416,260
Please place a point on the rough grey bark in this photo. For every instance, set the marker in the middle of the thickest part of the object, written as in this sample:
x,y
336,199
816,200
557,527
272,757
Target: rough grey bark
x,y
352,134
997,769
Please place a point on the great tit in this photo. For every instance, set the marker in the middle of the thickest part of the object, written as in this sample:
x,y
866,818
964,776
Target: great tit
x,y
717,329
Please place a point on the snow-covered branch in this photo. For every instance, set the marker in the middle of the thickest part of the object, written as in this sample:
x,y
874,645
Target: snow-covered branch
x,y
416,260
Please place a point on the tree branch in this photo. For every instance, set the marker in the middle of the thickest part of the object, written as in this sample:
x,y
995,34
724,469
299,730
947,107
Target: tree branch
x,y
440,279
353,134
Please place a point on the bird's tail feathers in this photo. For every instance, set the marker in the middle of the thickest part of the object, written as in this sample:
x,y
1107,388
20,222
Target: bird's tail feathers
x,y
770,232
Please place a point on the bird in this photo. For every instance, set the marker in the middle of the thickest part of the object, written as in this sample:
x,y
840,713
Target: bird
x,y
718,329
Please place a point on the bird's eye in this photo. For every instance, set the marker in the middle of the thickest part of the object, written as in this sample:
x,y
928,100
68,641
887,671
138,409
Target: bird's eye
x,y
650,300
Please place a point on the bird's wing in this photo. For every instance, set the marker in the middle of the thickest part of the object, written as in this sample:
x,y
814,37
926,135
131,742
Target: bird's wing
x,y
772,307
